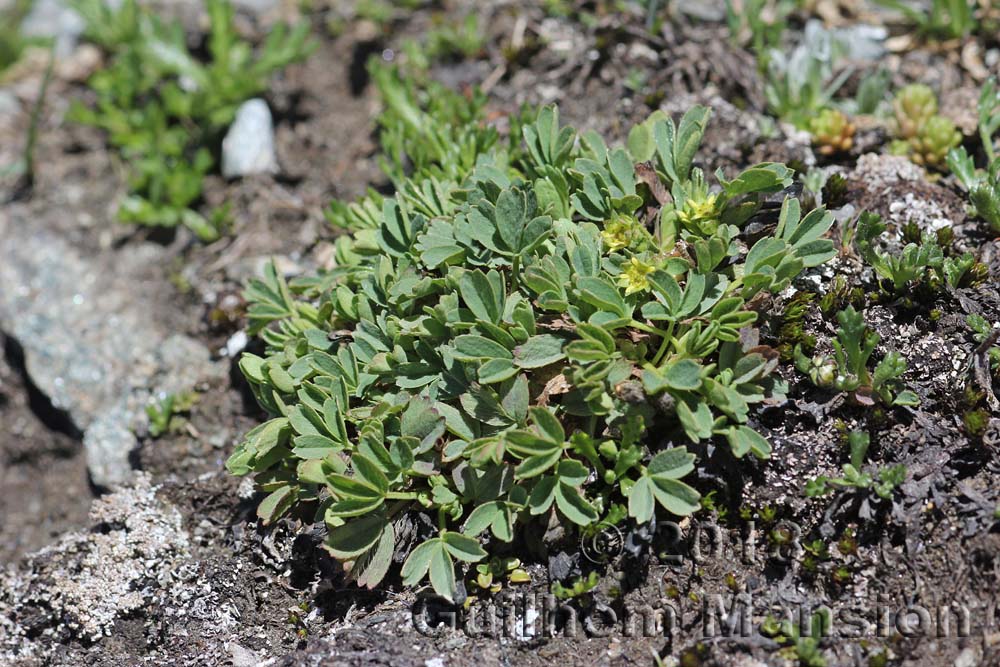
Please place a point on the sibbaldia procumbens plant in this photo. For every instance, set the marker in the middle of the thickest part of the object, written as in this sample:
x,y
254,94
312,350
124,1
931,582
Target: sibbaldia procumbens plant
x,y
496,352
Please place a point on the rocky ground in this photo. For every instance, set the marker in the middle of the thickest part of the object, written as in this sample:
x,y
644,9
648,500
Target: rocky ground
x,y
118,548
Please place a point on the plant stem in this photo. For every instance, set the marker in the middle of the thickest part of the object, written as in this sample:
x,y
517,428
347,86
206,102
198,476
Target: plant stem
x,y
665,345
401,495
648,329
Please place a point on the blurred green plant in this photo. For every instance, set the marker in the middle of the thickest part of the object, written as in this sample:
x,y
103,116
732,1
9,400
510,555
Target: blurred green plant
x,y
983,186
165,110
800,84
938,19
921,134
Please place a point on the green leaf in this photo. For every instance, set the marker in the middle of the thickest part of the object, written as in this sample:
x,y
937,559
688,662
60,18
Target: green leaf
x,y
442,570
538,464
743,439
370,568
640,500
697,422
547,425
543,494
480,294
482,517
602,294
463,547
417,563
672,463
497,370
471,347
276,504
355,537
510,218
369,473
539,351
573,505
681,375
676,497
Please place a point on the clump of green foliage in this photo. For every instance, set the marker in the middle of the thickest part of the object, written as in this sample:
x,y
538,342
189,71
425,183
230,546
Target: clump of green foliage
x,y
918,264
802,646
758,24
431,138
12,42
883,483
832,132
791,331
578,587
496,356
983,186
939,19
448,39
164,411
491,575
799,85
165,110
921,134
847,370
982,329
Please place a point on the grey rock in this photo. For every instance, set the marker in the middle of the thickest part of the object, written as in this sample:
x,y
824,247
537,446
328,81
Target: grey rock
x,y
86,581
54,19
9,104
89,342
248,147
561,565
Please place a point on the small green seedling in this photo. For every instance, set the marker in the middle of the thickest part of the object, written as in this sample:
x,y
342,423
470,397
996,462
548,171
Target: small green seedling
x,y
847,370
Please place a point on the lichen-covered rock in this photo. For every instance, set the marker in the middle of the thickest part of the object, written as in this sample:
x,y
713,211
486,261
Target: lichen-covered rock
x,y
897,189
81,586
90,343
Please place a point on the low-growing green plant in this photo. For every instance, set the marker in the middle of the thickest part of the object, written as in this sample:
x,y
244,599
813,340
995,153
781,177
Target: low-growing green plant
x,y
912,107
431,138
163,411
832,132
847,370
921,134
799,85
982,330
983,186
931,145
917,264
492,574
885,481
805,647
758,24
499,356
579,586
164,109
942,19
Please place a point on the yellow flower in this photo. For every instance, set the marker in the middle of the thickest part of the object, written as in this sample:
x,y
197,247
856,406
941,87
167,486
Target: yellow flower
x,y
617,232
698,211
633,276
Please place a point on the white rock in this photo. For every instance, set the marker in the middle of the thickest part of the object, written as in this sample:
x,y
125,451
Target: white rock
x,y
249,144
55,19
236,343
